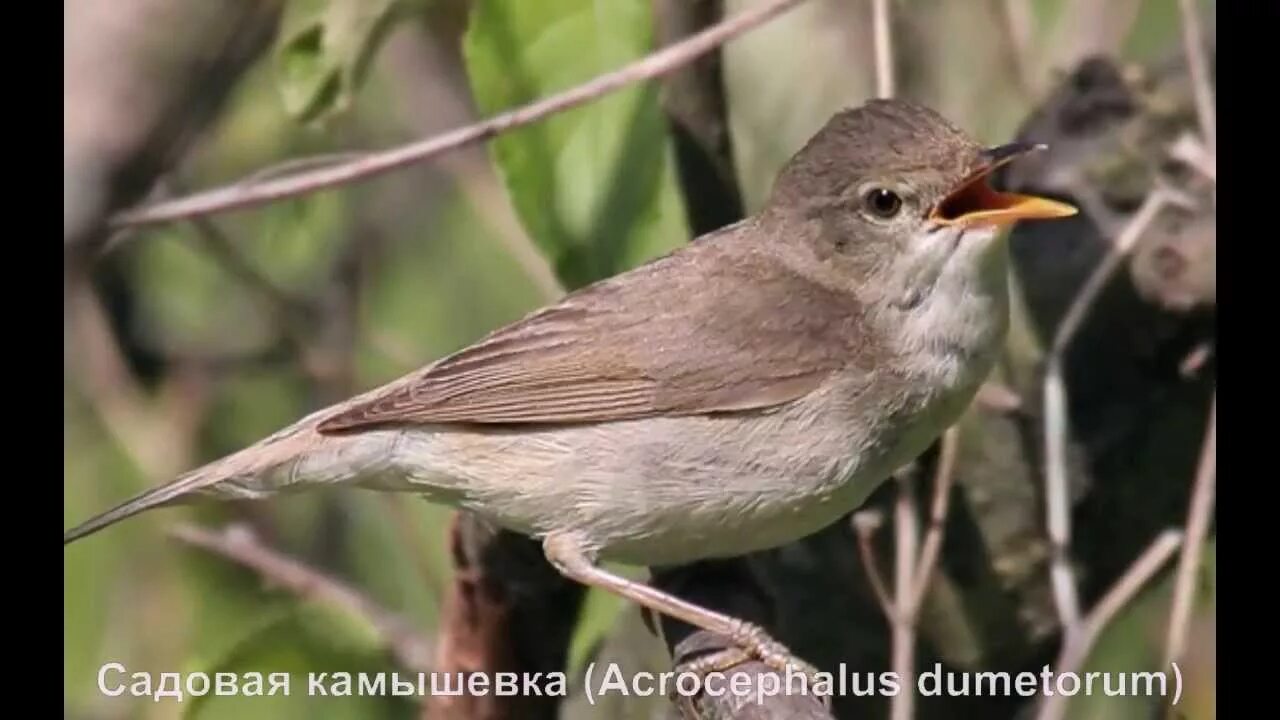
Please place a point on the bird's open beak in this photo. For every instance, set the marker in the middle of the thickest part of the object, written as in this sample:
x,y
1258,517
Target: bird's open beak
x,y
975,203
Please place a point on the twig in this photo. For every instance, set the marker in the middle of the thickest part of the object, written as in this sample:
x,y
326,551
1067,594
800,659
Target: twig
x,y
238,544
1198,65
661,62
1055,411
912,571
865,524
1062,577
949,448
1193,548
1120,249
907,535
884,48
435,104
1076,650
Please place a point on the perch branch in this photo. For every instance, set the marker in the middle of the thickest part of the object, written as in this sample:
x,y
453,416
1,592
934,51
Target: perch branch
x,y
238,544
1076,650
912,571
943,477
1193,548
247,194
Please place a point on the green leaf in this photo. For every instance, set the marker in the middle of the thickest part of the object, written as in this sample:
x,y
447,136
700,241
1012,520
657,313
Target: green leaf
x,y
593,186
325,50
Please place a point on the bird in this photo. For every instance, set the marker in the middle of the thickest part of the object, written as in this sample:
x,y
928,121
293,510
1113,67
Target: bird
x,y
738,393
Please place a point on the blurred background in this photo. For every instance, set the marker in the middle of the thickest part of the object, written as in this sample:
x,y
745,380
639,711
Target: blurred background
x,y
188,340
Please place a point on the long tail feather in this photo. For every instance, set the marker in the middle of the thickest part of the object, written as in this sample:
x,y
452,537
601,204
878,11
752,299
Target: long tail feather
x,y
256,470
156,497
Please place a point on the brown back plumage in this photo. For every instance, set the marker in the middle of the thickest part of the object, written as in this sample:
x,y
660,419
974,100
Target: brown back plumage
x,y
717,326
720,325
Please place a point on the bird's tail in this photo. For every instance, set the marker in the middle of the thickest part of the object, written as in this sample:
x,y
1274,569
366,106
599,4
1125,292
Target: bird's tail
x,y
169,494
293,458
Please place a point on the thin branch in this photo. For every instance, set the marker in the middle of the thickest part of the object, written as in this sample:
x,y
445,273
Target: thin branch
x,y
431,106
1193,548
302,164
1120,249
907,535
943,479
1198,65
1076,650
242,195
865,524
238,544
1062,576
884,48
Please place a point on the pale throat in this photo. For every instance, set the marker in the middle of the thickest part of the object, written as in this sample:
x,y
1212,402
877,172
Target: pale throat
x,y
949,315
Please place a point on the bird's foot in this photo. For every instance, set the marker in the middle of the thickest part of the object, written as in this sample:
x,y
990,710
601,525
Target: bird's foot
x,y
757,642
751,642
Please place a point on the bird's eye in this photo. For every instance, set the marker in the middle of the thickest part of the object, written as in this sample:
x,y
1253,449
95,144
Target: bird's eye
x,y
882,203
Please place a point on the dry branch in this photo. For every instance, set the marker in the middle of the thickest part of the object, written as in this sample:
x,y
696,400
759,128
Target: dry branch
x,y
865,524
949,448
1075,650
248,194
1193,548
903,620
1055,411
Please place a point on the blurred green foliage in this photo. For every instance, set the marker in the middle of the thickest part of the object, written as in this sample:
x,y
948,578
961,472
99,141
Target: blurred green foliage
x,y
593,189
593,186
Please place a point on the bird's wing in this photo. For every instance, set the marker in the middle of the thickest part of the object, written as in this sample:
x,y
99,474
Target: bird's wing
x,y
711,328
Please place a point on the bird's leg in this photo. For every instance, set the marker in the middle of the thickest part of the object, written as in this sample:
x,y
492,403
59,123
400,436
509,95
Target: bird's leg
x,y
567,554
